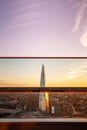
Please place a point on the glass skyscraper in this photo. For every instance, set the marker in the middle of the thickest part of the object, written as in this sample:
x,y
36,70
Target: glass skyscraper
x,y
43,99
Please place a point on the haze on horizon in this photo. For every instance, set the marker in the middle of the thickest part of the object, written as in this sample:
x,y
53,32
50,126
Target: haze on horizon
x,y
58,72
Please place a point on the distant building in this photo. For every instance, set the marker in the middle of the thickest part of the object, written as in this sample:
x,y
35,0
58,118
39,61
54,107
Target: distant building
x,y
52,110
43,97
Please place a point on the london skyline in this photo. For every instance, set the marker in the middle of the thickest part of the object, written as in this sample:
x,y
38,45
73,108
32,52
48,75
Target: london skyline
x,y
58,72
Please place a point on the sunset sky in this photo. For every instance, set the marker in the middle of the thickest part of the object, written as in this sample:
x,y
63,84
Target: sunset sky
x,y
43,28
59,72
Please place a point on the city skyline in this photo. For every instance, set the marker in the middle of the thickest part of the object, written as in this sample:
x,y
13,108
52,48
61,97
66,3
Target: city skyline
x,y
58,72
43,28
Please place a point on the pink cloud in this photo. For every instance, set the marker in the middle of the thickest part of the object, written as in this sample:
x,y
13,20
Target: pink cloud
x,y
25,13
79,14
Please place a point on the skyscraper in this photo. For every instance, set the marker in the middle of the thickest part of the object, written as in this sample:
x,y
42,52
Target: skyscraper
x,y
42,80
43,97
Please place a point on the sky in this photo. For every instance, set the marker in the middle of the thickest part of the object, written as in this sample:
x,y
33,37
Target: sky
x,y
58,72
43,28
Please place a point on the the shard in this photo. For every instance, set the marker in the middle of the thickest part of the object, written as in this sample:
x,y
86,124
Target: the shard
x,y
43,96
42,80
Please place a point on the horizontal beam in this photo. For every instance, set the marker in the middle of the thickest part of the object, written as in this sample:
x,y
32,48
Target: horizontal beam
x,y
43,89
23,57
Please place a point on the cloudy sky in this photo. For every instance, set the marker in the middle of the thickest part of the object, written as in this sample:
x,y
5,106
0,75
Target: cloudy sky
x,y
43,28
58,72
